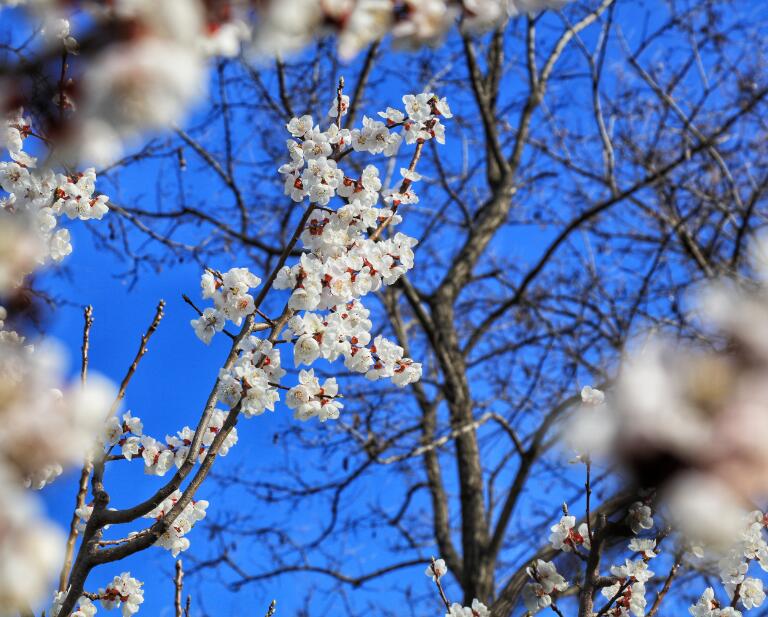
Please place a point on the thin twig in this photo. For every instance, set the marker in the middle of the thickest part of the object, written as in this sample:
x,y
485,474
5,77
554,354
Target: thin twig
x,y
82,486
178,583
88,316
159,312
588,490
665,589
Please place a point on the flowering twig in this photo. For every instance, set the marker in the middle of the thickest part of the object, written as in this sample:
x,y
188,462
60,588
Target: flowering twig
x,y
189,301
272,608
436,576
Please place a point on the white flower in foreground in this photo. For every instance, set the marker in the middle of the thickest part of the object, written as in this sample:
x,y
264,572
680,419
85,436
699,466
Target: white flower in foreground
x,y
44,476
43,425
705,510
31,550
21,249
151,94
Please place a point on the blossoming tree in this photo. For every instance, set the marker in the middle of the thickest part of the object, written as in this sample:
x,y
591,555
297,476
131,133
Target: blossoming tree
x,y
584,187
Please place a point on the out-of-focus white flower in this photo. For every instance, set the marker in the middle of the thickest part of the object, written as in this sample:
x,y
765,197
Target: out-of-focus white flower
x,y
693,421
285,26
127,91
31,549
21,249
40,478
57,30
41,424
704,509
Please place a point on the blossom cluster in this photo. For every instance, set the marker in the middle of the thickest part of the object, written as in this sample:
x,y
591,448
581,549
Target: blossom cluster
x,y
173,539
36,198
252,382
625,589
626,594
123,592
309,399
229,292
733,567
546,582
345,332
345,258
127,433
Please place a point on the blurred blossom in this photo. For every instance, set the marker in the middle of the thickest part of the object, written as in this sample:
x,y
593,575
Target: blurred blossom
x,y
693,421
705,509
31,549
21,249
127,91
144,64
286,26
43,429
43,425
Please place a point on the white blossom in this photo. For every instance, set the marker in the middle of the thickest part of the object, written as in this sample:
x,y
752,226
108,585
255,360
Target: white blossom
x,y
123,592
565,536
436,570
639,517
